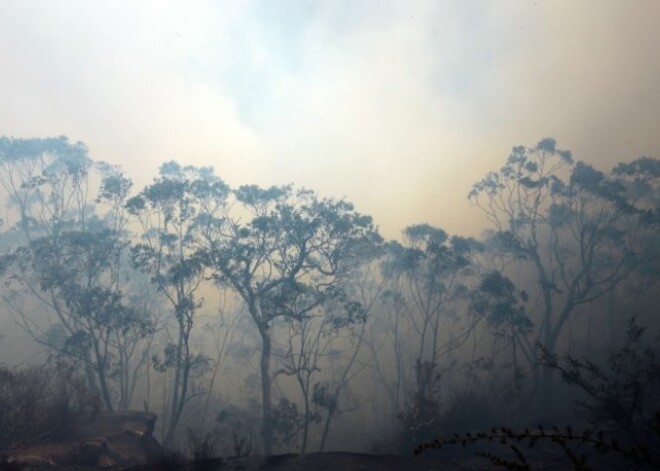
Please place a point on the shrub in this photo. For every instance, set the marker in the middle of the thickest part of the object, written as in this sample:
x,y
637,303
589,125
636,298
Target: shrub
x,y
201,448
235,430
621,397
621,403
39,404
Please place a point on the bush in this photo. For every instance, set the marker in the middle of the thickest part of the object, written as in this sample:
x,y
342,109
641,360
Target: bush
x,y
201,448
236,429
621,397
40,404
621,403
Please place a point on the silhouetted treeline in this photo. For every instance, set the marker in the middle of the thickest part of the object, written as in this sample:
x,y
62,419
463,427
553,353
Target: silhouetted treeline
x,y
280,317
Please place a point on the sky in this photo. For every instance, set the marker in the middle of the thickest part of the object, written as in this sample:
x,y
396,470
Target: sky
x,y
398,106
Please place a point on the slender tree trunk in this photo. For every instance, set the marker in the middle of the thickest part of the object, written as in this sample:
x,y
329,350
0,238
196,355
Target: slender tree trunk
x,y
266,405
174,405
552,334
123,379
183,397
100,372
515,360
548,374
91,379
104,389
303,448
326,428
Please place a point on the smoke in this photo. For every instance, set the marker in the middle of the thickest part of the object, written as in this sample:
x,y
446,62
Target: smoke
x,y
398,106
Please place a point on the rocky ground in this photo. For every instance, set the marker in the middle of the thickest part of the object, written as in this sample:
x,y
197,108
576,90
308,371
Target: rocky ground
x,y
123,441
110,440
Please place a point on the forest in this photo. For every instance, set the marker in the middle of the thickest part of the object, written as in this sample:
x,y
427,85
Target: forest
x,y
270,320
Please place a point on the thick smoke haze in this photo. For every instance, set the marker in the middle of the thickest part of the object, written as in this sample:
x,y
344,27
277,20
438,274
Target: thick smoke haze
x,y
301,226
399,106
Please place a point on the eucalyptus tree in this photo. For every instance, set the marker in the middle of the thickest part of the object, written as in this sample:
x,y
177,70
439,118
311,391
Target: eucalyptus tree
x,y
284,252
176,214
323,348
428,278
640,180
424,318
387,342
308,343
364,288
503,305
572,225
638,294
65,273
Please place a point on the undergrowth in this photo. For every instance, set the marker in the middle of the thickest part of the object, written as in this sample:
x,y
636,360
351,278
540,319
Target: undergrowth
x,y
621,404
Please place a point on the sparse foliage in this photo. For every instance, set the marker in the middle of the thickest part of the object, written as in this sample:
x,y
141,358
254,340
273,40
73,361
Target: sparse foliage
x,y
621,397
569,223
72,260
284,254
621,404
177,212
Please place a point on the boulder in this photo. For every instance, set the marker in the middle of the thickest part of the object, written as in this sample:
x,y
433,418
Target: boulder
x,y
109,439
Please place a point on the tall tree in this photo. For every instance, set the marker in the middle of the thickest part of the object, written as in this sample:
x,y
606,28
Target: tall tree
x,y
571,224
70,259
427,277
284,253
176,213
364,291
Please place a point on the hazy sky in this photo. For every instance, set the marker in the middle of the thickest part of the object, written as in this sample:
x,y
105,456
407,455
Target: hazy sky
x,y
398,106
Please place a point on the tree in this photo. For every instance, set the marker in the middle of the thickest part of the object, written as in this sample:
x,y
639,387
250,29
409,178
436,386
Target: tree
x,y
351,321
177,212
497,299
640,180
425,319
72,260
284,253
427,281
329,340
572,225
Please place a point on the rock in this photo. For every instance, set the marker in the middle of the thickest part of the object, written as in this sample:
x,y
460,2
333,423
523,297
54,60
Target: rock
x,y
110,439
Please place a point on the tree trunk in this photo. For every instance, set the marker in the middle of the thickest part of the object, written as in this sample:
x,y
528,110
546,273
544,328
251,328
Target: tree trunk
x,y
100,372
105,389
169,438
92,379
303,448
548,376
326,428
266,418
